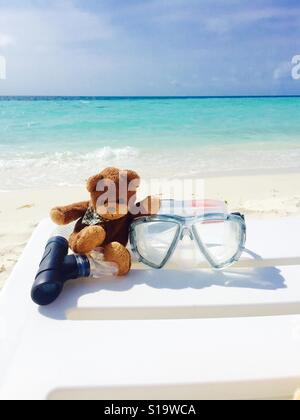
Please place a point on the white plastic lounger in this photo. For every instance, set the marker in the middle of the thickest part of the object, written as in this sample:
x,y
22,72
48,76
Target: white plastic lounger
x,y
159,334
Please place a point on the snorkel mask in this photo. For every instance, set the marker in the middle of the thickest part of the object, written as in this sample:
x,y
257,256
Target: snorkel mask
x,y
219,236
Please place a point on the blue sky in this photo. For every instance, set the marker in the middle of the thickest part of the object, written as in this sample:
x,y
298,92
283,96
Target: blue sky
x,y
149,47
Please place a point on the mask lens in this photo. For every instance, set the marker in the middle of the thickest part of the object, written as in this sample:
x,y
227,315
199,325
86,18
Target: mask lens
x,y
154,240
221,239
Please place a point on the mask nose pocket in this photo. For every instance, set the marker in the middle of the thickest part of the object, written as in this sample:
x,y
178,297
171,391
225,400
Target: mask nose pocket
x,y
187,232
187,255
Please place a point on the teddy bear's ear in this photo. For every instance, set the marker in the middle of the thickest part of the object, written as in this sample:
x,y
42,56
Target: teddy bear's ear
x,y
92,182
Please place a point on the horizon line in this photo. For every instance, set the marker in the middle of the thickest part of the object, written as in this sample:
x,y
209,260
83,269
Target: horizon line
x,y
148,96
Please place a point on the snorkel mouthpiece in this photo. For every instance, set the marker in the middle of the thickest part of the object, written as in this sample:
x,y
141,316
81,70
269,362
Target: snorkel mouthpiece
x,y
56,268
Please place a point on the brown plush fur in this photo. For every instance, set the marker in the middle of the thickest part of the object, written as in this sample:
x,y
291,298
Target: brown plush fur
x,y
112,233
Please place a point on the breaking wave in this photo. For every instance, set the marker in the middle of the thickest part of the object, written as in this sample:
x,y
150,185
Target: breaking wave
x,y
23,169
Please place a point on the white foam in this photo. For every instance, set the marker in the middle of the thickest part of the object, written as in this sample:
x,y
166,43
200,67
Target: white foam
x,y
113,154
22,169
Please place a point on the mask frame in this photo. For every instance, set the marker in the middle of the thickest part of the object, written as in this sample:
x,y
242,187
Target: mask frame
x,y
186,225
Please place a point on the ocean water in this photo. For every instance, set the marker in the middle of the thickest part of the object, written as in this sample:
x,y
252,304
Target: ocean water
x,y
61,141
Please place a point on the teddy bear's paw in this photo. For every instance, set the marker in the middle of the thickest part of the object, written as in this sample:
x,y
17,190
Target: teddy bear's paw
x,y
119,255
57,216
87,240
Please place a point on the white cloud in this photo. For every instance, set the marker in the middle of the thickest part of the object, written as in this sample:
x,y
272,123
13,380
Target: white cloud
x,y
6,40
55,27
229,21
56,49
225,20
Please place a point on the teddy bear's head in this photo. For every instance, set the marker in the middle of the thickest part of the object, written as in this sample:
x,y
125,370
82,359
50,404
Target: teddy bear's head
x,y
112,192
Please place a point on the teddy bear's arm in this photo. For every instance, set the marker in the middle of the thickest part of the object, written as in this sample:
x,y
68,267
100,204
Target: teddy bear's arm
x,y
150,206
68,214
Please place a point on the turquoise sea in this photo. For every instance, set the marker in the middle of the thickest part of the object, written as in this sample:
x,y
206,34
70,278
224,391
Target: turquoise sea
x,y
61,141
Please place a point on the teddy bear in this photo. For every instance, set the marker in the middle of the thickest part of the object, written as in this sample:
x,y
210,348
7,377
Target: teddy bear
x,y
104,220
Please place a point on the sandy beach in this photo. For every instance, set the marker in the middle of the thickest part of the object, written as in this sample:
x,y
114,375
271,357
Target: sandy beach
x,y
258,196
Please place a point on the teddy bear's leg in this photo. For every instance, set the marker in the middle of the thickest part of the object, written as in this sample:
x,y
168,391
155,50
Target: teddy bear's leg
x,y
87,239
118,254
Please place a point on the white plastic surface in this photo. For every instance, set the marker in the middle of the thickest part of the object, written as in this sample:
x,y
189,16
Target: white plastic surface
x,y
158,334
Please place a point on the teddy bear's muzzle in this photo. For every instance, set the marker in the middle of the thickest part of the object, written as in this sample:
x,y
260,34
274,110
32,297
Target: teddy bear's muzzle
x,y
112,211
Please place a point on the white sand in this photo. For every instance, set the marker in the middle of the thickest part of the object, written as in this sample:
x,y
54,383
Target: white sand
x,y
256,196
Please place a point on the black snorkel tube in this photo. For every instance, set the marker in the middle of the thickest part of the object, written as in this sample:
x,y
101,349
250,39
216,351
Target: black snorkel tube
x,y
56,268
